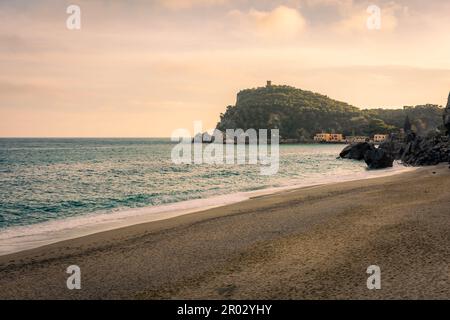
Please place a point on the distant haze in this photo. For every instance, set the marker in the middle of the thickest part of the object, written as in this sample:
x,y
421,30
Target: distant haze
x,y
145,68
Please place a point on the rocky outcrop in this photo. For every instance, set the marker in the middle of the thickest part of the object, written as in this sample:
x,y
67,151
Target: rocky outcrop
x,y
412,149
356,151
299,114
416,150
430,150
204,137
447,116
378,159
394,145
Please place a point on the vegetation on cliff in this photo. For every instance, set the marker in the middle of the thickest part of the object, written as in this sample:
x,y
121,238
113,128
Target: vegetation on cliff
x,y
299,114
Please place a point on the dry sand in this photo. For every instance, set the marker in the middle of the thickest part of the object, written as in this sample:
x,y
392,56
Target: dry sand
x,y
312,243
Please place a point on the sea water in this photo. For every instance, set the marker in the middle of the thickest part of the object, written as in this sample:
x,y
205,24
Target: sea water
x,y
51,189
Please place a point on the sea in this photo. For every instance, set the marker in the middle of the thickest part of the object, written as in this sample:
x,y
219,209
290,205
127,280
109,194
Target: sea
x,y
58,189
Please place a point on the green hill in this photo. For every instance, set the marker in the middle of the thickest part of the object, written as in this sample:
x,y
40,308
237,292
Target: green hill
x,y
299,114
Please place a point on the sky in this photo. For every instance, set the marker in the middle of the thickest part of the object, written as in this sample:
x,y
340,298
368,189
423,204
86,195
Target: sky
x,y
141,68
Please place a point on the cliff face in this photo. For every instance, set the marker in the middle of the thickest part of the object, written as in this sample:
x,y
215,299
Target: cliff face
x,y
300,114
448,101
429,150
415,150
447,116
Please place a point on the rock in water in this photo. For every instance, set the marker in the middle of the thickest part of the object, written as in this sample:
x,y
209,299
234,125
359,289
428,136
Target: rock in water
x,y
204,137
356,151
378,159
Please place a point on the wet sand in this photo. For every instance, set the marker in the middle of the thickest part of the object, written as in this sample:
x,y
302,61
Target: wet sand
x,y
311,243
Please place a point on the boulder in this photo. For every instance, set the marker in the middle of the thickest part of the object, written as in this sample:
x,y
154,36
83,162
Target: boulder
x,y
378,159
204,137
394,145
356,151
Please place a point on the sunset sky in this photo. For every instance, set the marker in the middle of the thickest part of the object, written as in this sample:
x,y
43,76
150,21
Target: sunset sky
x,y
145,68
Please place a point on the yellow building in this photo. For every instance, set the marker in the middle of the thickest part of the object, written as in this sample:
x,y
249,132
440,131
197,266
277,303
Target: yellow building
x,y
379,138
322,137
336,137
328,137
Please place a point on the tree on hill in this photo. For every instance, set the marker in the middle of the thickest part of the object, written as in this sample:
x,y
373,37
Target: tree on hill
x,y
407,126
300,114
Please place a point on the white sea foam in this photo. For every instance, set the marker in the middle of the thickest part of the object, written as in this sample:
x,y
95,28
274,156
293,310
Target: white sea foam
x,y
21,238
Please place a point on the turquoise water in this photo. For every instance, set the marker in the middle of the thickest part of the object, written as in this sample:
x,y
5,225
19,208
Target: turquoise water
x,y
48,179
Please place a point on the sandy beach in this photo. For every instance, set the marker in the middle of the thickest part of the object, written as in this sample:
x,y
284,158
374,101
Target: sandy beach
x,y
311,243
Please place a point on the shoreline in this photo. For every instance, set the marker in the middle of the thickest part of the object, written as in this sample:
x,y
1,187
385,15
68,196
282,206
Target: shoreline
x,y
58,230
310,243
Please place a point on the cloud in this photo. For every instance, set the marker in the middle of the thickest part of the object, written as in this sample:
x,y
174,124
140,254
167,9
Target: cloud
x,y
170,62
336,3
356,20
281,22
186,4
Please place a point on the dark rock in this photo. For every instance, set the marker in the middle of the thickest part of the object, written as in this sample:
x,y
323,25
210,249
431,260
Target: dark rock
x,y
411,136
378,159
430,150
407,125
394,145
412,149
448,101
356,151
447,116
204,137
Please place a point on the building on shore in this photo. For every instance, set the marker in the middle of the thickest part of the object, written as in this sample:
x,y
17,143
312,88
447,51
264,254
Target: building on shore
x,y
356,139
378,138
329,137
339,138
322,137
